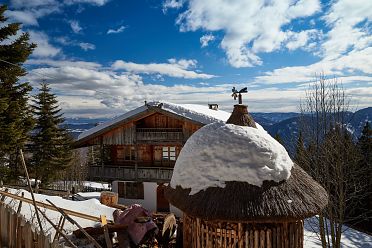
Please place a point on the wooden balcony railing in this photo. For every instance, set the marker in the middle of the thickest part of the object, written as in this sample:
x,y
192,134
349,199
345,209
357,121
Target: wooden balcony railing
x,y
129,173
159,134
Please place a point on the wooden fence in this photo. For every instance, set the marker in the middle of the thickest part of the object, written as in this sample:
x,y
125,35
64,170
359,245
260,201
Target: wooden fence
x,y
16,232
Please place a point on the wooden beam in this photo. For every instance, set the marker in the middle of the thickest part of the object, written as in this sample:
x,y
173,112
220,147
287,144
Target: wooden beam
x,y
30,188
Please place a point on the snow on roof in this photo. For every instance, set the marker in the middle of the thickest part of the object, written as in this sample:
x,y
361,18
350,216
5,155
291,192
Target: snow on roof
x,y
219,152
193,112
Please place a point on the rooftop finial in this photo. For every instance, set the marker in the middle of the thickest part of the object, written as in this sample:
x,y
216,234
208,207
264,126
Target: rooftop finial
x,y
238,94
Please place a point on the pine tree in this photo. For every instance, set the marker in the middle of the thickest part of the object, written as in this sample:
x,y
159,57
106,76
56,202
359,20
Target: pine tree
x,y
15,116
300,156
278,138
51,147
364,210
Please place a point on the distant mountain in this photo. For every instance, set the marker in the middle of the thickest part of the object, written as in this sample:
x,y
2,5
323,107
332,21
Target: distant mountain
x,y
76,126
288,129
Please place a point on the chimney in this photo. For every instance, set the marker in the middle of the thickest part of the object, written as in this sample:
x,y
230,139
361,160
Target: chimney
x,y
213,106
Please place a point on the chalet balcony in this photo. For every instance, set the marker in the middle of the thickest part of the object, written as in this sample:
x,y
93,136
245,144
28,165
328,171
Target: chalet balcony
x,y
157,135
130,173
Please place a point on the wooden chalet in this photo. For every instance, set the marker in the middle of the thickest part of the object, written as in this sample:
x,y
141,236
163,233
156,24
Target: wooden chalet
x,y
143,144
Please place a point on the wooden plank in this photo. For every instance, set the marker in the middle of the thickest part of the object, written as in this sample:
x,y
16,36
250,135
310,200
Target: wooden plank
x,y
105,231
278,237
1,223
256,238
30,189
262,239
291,235
20,203
251,238
296,232
268,238
197,233
240,235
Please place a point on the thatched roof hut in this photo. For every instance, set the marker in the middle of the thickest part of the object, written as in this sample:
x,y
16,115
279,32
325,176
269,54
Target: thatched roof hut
x,y
266,210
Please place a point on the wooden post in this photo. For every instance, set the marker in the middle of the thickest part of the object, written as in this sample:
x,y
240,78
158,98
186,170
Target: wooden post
x,y
57,229
75,223
60,226
30,188
105,231
3,196
20,203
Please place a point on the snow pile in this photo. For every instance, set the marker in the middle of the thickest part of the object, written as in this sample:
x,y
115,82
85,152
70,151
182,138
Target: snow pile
x,y
91,207
218,153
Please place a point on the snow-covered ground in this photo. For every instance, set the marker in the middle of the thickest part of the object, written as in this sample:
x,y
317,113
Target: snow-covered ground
x,y
89,184
350,238
91,207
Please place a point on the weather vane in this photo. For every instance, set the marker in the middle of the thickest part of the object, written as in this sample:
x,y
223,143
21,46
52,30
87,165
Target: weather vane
x,y
238,94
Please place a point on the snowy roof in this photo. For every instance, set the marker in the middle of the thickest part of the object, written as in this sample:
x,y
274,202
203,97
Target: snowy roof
x,y
194,112
219,153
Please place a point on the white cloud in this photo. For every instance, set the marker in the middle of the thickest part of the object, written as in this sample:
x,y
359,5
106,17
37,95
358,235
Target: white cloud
x,y
175,68
300,39
172,4
66,41
32,3
90,89
205,39
346,50
29,11
24,17
354,63
343,18
116,31
75,26
64,63
250,27
44,48
92,2
87,46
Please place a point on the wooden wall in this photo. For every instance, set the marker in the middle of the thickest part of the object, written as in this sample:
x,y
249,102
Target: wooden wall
x,y
123,135
15,231
198,234
158,120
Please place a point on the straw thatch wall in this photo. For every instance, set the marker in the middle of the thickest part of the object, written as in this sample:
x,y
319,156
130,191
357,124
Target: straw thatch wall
x,y
199,233
298,197
241,117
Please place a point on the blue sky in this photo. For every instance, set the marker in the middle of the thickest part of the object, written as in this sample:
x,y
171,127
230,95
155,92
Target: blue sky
x,y
104,57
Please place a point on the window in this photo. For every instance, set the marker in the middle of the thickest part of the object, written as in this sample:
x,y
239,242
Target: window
x,y
169,153
129,153
131,190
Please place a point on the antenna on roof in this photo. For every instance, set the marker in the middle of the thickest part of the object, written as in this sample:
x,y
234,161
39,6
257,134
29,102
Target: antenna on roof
x,y
236,93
